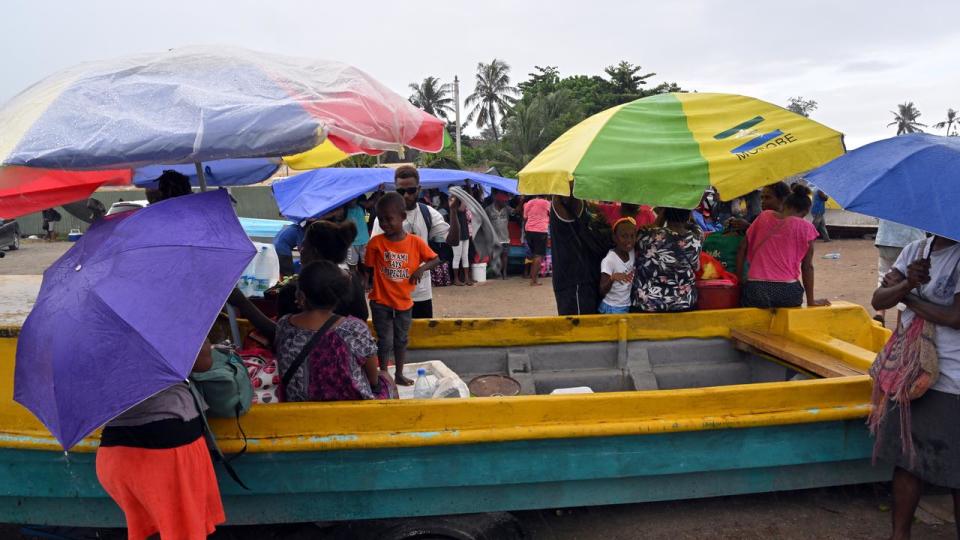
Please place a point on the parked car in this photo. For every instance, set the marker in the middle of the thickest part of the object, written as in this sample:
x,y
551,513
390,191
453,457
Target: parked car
x,y
9,234
125,206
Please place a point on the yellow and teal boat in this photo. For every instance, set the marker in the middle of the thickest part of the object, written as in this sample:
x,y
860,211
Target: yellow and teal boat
x,y
686,405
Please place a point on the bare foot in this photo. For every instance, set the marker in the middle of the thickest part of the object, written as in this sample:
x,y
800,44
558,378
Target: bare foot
x,y
401,380
470,283
458,283
535,284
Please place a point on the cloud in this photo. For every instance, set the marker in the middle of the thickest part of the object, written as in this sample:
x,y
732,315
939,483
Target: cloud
x,y
867,66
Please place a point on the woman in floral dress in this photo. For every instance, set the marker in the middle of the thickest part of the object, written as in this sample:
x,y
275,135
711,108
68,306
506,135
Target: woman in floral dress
x,y
341,364
667,260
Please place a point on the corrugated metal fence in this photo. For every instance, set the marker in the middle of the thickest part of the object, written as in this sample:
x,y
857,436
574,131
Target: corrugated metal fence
x,y
252,201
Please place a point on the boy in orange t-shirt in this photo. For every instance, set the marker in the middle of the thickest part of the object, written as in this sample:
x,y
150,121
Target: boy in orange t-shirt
x,y
397,261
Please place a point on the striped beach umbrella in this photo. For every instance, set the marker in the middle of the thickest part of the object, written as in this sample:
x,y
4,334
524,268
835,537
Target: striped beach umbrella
x,y
665,150
97,123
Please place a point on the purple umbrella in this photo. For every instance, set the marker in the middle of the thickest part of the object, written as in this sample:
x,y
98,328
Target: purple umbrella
x,y
123,313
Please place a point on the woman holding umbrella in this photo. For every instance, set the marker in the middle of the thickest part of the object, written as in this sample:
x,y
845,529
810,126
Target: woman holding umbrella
x,y
154,463
174,492
913,180
925,280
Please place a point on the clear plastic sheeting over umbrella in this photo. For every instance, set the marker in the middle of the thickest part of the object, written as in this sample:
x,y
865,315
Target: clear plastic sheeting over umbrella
x,y
93,124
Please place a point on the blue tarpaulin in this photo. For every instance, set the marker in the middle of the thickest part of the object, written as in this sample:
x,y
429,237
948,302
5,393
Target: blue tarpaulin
x,y
319,191
224,172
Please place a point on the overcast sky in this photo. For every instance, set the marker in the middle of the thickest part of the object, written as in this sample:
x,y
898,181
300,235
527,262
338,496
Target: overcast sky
x,y
857,59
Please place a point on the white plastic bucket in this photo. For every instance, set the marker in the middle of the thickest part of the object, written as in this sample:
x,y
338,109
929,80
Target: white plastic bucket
x,y
479,272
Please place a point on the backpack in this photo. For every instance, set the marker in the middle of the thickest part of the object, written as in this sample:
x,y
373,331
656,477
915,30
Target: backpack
x,y
226,389
428,219
225,386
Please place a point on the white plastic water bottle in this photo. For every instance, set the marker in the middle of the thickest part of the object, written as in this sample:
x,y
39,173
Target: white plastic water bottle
x,y
422,389
244,285
261,272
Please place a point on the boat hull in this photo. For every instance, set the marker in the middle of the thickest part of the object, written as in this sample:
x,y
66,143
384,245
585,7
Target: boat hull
x,y
381,459
44,487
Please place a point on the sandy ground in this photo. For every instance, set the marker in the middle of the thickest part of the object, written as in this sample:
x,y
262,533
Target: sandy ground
x,y
851,278
840,513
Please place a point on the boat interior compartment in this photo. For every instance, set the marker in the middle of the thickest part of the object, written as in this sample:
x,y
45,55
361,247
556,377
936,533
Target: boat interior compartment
x,y
614,366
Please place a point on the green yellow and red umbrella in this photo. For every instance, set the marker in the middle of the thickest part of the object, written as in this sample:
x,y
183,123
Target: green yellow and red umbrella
x,y
665,150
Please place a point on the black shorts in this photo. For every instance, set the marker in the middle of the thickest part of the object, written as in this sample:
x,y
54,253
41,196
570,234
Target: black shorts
x,y
771,294
537,242
423,309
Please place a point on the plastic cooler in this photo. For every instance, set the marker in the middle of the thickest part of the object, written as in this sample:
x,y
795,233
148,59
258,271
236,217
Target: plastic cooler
x,y
718,294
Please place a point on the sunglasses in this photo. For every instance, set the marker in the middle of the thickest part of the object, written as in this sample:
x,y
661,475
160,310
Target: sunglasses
x,y
410,190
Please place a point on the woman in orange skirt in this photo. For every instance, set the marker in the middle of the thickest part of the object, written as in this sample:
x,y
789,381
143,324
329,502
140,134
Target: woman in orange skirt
x,y
154,462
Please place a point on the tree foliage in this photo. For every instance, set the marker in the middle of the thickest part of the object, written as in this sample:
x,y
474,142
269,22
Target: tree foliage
x,y
543,81
433,97
517,123
532,125
801,106
905,118
550,104
624,79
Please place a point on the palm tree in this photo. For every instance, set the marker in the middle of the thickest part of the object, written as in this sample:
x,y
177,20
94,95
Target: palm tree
x,y
949,122
492,97
433,97
532,125
906,119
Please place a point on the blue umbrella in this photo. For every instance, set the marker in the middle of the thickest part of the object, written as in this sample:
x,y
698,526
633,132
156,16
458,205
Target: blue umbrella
x,y
222,172
122,314
319,191
910,179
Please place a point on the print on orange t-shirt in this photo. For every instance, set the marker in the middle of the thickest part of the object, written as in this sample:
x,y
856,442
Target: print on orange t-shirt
x,y
393,263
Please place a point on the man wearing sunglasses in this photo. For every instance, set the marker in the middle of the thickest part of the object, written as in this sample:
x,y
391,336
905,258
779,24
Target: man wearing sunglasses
x,y
423,221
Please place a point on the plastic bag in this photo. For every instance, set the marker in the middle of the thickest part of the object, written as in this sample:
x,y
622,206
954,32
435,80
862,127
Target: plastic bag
x,y
450,387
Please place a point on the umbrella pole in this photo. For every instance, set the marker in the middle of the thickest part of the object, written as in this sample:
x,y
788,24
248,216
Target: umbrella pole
x,y
234,327
231,312
200,177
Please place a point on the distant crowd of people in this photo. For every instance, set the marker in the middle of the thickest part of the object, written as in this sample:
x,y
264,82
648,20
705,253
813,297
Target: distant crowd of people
x,y
604,257
619,258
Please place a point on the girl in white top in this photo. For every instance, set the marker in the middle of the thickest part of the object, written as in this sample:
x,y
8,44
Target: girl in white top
x,y
616,269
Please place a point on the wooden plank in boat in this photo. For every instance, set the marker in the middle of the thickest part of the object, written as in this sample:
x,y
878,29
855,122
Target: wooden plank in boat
x,y
805,358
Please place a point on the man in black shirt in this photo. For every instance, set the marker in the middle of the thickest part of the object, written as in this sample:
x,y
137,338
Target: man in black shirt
x,y
577,250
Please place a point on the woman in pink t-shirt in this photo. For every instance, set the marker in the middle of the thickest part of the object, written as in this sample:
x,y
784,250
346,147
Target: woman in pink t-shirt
x,y
536,218
780,253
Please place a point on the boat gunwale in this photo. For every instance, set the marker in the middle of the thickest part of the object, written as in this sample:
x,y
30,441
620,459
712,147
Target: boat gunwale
x,y
292,427
284,427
